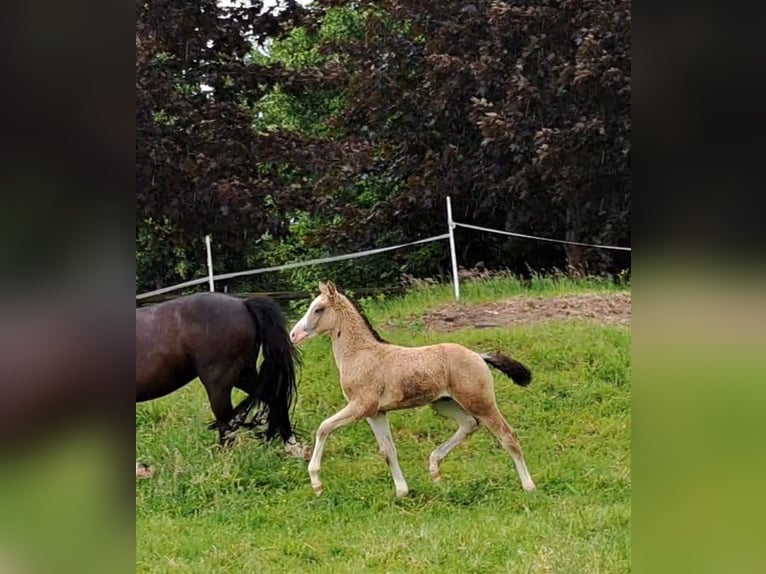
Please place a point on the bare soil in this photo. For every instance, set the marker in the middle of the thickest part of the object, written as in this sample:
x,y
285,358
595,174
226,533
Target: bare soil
x,y
604,308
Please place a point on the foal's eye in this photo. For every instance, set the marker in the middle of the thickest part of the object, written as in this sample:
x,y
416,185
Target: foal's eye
x,y
318,310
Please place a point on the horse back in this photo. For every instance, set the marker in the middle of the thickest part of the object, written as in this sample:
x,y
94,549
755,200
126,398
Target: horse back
x,y
197,335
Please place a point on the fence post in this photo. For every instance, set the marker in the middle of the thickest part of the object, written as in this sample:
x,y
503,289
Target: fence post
x,y
209,263
453,255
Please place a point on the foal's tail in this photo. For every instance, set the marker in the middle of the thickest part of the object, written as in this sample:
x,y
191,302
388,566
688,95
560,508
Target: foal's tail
x,y
276,390
518,373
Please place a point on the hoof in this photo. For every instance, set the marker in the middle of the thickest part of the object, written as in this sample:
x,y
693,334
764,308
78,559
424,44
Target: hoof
x,y
402,493
143,471
529,487
318,489
436,476
298,450
228,440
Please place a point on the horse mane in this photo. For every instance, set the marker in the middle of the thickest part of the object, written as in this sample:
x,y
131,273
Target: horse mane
x,y
355,305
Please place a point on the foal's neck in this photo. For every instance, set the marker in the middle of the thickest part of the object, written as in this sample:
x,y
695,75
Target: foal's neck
x,y
350,335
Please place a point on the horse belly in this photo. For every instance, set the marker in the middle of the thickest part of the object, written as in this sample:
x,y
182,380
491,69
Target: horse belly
x,y
150,392
416,391
156,376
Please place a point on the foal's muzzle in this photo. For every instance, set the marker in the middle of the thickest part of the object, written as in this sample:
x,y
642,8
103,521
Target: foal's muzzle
x,y
298,335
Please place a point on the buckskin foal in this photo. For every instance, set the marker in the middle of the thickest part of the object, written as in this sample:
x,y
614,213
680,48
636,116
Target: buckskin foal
x,y
377,377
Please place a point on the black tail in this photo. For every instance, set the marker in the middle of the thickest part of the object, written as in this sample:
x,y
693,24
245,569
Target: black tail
x,y
276,389
518,373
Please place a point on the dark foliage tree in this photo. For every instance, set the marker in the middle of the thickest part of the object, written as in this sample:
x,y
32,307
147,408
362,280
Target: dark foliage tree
x,y
519,110
200,167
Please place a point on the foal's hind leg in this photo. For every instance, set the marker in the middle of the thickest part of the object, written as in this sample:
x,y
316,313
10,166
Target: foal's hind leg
x,y
468,425
507,436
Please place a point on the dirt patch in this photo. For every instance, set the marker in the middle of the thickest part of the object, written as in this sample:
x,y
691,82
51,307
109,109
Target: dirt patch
x,y
604,308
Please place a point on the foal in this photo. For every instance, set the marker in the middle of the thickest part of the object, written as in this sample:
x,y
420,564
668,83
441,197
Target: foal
x,y
377,377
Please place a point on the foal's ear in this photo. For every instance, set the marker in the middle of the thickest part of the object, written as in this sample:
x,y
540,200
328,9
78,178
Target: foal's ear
x,y
327,289
331,290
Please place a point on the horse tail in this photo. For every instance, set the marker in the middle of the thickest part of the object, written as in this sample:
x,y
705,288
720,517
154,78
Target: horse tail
x,y
518,372
276,390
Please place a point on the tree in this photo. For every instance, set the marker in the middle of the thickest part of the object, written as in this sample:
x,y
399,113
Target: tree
x,y
201,168
519,110
361,117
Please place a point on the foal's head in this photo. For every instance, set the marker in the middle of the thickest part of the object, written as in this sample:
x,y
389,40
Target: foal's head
x,y
327,312
321,316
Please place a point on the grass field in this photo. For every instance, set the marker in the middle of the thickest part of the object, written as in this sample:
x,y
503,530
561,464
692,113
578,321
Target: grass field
x,y
251,508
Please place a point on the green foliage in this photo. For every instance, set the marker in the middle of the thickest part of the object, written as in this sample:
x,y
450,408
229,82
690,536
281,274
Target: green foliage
x,y
158,258
251,508
306,114
301,246
198,158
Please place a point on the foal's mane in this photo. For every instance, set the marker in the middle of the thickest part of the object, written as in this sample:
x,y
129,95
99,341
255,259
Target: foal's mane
x,y
355,305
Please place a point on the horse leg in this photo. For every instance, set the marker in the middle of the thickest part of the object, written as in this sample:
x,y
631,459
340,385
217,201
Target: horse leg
x,y
507,437
297,449
468,426
245,382
241,412
351,413
382,431
219,395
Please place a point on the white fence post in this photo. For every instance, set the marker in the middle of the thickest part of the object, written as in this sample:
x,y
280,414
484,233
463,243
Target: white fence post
x,y
209,263
453,255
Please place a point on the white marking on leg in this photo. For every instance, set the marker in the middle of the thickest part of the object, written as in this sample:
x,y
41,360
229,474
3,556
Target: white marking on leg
x,y
521,467
345,416
382,431
296,449
507,437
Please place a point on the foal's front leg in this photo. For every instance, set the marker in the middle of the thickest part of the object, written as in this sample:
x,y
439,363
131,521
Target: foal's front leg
x,y
379,424
351,413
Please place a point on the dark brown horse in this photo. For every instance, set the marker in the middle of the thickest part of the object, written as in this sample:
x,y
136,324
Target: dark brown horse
x,y
218,338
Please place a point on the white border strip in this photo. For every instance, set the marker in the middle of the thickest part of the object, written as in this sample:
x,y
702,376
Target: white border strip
x,y
290,266
476,227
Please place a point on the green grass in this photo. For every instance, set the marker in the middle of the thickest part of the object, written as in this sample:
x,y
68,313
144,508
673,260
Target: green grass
x,y
251,508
